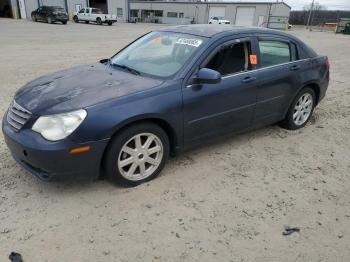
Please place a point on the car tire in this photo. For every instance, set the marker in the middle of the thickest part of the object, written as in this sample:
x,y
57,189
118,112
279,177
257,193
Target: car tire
x,y
210,23
99,21
110,23
75,19
301,109
124,160
64,22
33,18
86,22
49,20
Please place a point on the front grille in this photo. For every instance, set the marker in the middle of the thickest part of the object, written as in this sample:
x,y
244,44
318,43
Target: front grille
x,y
17,116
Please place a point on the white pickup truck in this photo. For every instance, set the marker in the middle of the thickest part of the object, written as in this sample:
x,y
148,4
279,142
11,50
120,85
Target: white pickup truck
x,y
94,15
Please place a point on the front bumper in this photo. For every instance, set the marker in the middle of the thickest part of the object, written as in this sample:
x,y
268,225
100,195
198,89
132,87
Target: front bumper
x,y
52,161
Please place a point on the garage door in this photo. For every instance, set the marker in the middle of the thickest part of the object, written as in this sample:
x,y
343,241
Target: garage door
x,y
215,11
60,3
245,16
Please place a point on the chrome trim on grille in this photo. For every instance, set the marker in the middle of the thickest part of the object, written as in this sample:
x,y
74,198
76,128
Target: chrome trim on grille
x,y
17,116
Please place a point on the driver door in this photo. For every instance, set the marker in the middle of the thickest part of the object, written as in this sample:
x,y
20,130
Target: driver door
x,y
213,109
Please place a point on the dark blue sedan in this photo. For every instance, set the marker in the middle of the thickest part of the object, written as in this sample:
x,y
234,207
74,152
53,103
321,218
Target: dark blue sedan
x,y
167,91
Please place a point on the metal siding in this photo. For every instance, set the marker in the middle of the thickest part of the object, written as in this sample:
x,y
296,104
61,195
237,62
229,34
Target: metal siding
x,y
114,4
71,6
60,3
200,11
31,5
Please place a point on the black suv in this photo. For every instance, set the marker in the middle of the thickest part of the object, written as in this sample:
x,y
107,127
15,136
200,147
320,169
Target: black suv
x,y
50,14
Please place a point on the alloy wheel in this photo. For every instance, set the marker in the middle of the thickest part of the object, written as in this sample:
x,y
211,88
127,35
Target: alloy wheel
x,y
140,156
303,109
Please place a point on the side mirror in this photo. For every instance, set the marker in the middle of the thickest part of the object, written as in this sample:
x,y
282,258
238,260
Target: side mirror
x,y
104,61
206,76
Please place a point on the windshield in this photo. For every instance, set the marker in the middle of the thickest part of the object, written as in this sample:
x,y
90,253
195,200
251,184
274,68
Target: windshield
x,y
159,54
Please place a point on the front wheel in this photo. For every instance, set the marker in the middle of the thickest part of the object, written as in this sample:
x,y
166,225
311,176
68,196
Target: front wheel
x,y
99,21
137,154
110,23
75,19
49,20
33,18
301,110
64,22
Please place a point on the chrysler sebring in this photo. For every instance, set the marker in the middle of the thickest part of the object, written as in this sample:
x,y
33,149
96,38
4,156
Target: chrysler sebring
x,y
167,91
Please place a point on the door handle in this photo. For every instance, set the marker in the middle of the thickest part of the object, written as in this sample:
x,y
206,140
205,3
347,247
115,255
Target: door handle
x,y
295,67
248,79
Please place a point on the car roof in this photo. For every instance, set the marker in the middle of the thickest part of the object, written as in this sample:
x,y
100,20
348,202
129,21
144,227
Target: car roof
x,y
209,30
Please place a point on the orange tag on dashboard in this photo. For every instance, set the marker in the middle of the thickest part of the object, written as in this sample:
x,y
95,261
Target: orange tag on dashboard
x,y
157,40
253,60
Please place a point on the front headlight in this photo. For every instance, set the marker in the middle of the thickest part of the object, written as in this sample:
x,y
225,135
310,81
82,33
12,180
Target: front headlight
x,y
57,127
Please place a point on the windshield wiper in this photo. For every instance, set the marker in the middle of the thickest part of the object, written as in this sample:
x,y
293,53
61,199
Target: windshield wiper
x,y
131,70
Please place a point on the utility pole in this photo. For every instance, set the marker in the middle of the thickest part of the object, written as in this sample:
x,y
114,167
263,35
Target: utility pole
x,y
310,14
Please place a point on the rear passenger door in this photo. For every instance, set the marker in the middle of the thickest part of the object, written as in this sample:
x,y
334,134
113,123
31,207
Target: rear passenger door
x,y
87,15
277,78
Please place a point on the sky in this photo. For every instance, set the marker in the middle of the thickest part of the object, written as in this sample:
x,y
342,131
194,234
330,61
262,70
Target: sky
x,y
330,4
299,4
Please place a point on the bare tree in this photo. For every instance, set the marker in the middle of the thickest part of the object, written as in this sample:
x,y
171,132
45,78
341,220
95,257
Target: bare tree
x,y
317,7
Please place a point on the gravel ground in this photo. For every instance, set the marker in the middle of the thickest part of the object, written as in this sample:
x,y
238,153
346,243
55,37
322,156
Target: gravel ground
x,y
227,201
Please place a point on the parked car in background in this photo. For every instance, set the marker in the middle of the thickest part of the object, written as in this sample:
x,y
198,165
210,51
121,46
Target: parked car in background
x,y
50,14
218,20
94,15
167,91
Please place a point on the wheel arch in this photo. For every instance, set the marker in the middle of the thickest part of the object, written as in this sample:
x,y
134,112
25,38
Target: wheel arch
x,y
165,125
314,86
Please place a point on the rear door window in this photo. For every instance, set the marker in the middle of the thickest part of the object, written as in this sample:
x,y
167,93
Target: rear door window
x,y
274,52
82,11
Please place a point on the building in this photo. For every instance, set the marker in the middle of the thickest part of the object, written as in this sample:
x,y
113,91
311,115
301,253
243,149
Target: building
x,y
185,12
265,14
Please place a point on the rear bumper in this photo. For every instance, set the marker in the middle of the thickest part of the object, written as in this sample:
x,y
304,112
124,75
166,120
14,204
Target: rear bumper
x,y
52,161
60,18
323,87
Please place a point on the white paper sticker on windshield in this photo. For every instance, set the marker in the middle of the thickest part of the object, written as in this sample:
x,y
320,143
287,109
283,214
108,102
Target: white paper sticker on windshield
x,y
191,42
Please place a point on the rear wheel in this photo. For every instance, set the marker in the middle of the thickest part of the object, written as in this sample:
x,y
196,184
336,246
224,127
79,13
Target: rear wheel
x,y
86,22
75,19
110,23
300,110
137,154
64,22
99,21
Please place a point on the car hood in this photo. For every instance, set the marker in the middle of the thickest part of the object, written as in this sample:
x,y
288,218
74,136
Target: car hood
x,y
80,87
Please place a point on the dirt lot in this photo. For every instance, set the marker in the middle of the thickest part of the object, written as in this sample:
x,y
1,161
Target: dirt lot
x,y
229,201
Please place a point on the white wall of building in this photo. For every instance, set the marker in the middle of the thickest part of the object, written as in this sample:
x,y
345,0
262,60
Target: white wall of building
x,y
199,11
